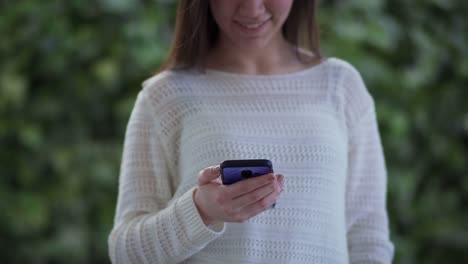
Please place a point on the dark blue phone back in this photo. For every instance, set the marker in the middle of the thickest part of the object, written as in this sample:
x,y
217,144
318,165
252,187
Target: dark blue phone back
x,y
233,171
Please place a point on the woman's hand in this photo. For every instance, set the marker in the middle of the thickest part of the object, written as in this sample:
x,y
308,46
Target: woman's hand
x,y
237,202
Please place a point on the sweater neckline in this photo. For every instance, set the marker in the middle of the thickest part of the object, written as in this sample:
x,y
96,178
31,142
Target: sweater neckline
x,y
212,72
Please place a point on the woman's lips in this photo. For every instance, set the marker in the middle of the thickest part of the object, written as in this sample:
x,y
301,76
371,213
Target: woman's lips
x,y
252,27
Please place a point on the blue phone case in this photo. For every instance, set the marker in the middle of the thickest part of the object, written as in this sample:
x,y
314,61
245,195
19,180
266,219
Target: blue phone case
x,y
233,171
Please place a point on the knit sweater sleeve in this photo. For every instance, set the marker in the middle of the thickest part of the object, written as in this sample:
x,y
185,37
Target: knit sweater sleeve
x,y
150,225
366,215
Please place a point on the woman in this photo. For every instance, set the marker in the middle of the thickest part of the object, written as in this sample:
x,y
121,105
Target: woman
x,y
245,80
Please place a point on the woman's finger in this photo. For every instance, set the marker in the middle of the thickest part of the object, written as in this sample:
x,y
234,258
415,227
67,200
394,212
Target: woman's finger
x,y
208,174
281,181
253,196
261,205
245,186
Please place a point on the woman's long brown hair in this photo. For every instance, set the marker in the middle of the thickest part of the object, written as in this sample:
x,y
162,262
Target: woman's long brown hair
x,y
196,33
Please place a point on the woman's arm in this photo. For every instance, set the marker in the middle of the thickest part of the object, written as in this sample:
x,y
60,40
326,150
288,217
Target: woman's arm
x,y
366,214
146,228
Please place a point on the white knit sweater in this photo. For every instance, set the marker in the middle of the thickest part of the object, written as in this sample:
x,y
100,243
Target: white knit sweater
x,y
317,126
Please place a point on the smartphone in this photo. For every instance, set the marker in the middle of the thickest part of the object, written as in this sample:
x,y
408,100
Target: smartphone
x,y
233,171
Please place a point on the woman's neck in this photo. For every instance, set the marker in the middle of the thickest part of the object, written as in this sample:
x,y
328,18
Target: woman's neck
x,y
277,58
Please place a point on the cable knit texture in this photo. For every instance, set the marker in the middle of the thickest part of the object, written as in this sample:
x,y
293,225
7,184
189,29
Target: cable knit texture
x,y
317,126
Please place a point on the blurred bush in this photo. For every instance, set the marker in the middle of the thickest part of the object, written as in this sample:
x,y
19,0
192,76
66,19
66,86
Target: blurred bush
x,y
70,72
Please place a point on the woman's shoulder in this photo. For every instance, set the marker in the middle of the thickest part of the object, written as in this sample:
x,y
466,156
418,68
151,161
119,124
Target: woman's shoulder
x,y
345,74
168,82
167,78
350,86
332,64
341,67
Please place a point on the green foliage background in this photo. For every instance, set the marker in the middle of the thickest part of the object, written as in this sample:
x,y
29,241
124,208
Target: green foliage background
x,y
70,72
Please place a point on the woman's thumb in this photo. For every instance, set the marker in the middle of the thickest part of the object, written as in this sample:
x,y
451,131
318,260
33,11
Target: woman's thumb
x,y
208,174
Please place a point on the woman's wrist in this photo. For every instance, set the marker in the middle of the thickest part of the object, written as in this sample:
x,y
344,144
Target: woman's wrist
x,y
206,219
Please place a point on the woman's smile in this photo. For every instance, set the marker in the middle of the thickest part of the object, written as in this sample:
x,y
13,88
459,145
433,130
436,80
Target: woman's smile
x,y
252,28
